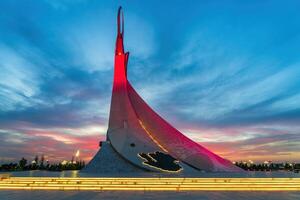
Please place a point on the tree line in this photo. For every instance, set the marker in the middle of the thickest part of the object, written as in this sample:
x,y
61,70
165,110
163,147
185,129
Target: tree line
x,y
295,167
42,164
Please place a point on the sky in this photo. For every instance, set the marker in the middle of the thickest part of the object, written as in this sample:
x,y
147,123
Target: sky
x,y
225,73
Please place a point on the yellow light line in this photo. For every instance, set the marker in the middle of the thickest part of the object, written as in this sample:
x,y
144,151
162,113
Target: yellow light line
x,y
152,138
148,179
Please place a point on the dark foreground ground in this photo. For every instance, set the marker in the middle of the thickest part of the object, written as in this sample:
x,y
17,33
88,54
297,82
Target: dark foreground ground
x,y
90,195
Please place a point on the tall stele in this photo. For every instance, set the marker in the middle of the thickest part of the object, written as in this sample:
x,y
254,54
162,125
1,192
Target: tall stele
x,y
143,139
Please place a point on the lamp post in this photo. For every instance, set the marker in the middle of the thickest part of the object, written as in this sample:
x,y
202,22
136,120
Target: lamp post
x,y
77,155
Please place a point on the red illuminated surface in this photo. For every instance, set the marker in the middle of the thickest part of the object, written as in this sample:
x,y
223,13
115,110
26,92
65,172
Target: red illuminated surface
x,y
131,119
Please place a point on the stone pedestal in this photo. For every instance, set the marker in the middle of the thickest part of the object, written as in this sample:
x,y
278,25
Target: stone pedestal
x,y
108,161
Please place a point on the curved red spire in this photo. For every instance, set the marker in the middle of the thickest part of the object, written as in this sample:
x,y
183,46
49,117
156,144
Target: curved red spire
x,y
121,58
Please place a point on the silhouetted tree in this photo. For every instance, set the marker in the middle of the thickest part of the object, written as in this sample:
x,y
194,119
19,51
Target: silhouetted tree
x,y
42,162
36,159
22,163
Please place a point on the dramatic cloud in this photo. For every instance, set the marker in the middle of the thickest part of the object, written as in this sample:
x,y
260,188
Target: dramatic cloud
x,y
225,74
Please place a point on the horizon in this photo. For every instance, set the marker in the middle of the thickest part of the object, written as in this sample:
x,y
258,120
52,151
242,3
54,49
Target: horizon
x,y
224,74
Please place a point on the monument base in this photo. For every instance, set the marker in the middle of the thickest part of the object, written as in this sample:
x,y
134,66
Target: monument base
x,y
107,160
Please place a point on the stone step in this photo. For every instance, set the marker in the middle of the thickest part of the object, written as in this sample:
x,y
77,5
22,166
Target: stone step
x,y
207,188
145,182
162,184
158,179
156,185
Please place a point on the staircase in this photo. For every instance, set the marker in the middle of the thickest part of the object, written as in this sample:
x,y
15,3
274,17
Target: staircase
x,y
151,184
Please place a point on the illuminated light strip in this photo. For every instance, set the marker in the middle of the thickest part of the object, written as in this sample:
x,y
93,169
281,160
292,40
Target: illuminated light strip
x,y
158,188
154,181
159,185
148,178
150,186
149,183
198,180
173,181
152,138
154,185
181,180
143,178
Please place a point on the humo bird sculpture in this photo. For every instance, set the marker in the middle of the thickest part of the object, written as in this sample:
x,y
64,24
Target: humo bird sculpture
x,y
143,139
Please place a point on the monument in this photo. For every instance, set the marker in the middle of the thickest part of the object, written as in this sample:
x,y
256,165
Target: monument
x,y
140,140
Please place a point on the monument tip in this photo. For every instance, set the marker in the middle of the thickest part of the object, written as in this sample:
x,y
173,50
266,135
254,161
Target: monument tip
x,y
120,23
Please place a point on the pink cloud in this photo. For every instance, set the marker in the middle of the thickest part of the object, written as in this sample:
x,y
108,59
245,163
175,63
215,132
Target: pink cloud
x,y
57,146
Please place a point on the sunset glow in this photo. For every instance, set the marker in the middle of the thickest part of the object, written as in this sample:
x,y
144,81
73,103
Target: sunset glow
x,y
224,77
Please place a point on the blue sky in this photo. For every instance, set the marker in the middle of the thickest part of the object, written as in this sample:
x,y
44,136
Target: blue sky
x,y
225,73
